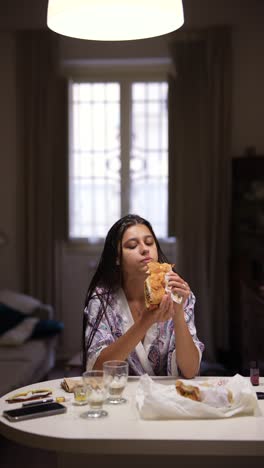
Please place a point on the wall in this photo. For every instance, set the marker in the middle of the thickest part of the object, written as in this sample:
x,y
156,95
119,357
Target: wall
x,y
10,222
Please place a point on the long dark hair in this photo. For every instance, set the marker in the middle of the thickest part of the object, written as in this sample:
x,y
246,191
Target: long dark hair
x,y
108,276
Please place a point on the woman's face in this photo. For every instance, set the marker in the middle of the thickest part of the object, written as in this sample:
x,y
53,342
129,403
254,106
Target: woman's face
x,y
138,249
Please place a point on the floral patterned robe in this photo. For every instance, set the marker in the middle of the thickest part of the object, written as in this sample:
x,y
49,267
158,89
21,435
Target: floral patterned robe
x,y
156,354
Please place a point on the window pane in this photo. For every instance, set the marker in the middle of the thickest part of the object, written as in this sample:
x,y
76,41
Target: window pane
x,y
98,90
94,166
138,92
149,154
147,197
154,91
83,125
112,92
84,92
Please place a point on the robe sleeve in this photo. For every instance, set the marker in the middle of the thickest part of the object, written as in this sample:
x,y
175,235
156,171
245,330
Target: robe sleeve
x,y
103,335
172,368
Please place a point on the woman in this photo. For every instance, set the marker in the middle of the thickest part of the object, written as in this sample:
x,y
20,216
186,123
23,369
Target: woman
x,y
117,324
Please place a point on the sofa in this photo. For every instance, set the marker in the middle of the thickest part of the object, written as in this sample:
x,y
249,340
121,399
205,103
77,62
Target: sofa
x,y
28,340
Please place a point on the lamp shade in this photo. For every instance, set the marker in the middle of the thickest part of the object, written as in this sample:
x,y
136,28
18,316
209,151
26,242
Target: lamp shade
x,y
114,20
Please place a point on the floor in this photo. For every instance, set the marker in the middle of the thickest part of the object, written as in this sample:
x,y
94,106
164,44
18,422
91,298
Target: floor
x,y
14,455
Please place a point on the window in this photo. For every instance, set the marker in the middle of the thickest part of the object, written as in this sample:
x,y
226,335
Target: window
x,y
118,161
149,154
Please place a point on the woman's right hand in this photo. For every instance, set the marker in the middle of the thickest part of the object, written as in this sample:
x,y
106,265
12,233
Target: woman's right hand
x,y
162,313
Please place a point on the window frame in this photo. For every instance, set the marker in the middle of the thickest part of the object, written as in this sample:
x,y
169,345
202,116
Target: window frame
x,y
124,71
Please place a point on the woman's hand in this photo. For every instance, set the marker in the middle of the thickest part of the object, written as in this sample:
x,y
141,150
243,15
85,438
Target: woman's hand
x,y
178,286
161,313
168,308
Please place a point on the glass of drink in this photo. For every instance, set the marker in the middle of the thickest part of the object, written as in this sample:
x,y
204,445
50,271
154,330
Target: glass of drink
x,y
80,394
96,387
116,375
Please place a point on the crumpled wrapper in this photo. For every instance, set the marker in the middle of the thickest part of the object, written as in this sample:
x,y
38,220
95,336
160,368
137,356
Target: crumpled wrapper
x,y
158,401
175,297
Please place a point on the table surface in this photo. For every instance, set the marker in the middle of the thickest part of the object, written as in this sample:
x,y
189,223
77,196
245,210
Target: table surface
x,y
123,432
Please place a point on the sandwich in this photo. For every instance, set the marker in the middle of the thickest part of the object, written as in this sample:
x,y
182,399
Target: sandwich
x,y
188,391
155,283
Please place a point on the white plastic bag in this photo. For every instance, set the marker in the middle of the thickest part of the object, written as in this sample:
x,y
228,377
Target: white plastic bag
x,y
158,401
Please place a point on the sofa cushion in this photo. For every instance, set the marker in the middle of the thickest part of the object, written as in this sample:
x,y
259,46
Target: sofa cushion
x,y
46,328
20,333
17,327
26,304
9,318
18,301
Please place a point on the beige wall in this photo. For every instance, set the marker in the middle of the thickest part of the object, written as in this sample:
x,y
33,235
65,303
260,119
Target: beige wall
x,y
246,18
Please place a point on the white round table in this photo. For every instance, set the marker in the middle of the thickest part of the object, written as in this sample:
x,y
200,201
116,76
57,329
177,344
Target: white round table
x,y
123,434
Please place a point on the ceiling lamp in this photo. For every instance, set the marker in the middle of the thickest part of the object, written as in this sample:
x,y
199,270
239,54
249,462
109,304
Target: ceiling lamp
x,y
114,20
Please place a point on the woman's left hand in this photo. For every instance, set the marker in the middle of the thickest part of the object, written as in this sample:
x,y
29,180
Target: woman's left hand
x,y
178,286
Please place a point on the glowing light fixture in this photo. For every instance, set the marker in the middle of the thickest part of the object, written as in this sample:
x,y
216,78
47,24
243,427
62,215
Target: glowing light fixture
x,y
114,20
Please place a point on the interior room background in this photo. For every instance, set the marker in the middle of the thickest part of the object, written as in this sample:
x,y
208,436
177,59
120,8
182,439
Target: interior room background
x,y
63,281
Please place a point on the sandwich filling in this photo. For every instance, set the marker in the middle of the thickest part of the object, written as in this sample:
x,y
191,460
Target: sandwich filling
x,y
188,391
155,284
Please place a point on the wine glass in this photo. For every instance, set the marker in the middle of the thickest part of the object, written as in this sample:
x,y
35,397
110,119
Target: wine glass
x,y
116,375
96,386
